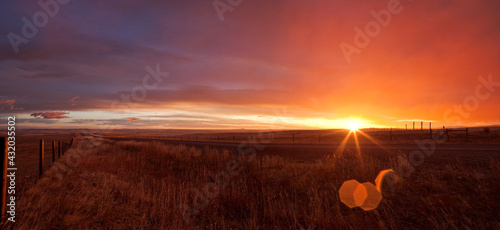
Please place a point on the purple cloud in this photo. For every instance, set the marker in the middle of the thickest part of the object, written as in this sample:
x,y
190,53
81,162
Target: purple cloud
x,y
8,104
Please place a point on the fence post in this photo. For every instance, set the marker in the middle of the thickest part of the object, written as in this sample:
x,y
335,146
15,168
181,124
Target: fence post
x,y
406,125
293,138
466,134
430,129
4,148
390,133
218,139
59,149
413,126
53,152
421,126
41,159
446,133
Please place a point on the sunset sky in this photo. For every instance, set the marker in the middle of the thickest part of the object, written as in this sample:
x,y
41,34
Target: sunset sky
x,y
266,64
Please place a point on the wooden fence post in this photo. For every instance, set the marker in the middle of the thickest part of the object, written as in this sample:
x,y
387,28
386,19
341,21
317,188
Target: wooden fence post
x,y
414,126
41,159
390,133
4,148
53,151
466,134
430,129
293,138
59,149
421,126
406,125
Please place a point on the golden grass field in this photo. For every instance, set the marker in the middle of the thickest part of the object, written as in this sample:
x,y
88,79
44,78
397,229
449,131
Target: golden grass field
x,y
153,185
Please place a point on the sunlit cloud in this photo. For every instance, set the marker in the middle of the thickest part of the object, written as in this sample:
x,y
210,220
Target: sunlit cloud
x,y
133,119
423,63
8,104
50,115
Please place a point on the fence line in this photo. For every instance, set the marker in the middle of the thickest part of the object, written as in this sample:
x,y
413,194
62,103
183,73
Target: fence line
x,y
4,151
62,148
296,137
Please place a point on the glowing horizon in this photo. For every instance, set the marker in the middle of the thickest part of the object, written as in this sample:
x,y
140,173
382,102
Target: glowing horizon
x,y
295,66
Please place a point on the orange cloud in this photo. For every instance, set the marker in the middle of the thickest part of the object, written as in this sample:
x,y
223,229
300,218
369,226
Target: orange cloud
x,y
133,119
50,115
8,104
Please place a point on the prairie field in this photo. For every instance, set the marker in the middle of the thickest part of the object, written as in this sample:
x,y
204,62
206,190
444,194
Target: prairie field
x,y
232,114
479,135
27,154
149,184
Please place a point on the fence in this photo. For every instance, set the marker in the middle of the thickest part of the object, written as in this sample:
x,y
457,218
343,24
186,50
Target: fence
x,y
447,132
295,137
62,147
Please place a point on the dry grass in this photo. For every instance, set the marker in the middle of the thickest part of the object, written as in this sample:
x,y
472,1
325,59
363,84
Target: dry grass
x,y
135,185
27,156
335,136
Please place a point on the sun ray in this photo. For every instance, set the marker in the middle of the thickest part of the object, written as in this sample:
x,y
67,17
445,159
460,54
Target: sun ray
x,y
358,148
375,142
341,147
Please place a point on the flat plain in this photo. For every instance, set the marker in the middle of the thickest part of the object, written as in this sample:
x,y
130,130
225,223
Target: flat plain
x,y
163,179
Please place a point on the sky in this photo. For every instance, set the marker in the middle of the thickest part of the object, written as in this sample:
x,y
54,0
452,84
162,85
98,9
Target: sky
x,y
227,64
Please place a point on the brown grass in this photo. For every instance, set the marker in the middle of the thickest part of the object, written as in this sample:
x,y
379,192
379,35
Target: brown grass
x,y
136,185
399,136
27,156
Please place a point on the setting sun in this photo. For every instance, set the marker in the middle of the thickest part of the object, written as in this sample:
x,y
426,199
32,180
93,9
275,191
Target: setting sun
x,y
353,126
